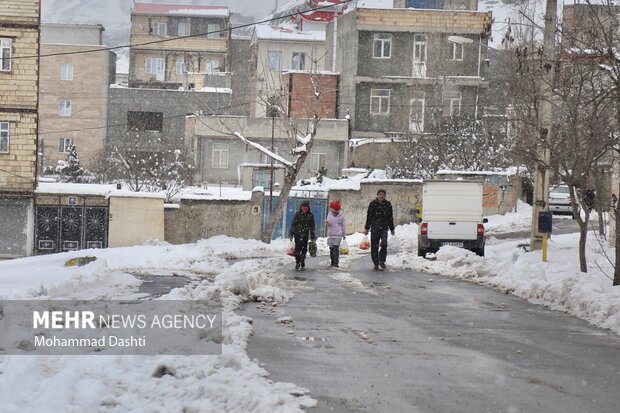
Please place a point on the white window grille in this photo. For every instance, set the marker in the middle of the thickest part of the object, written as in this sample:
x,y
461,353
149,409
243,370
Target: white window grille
x,y
275,60
457,51
380,101
219,156
214,31
419,55
64,108
159,29
4,137
66,71
6,54
416,114
451,103
64,144
382,46
318,158
299,61
183,29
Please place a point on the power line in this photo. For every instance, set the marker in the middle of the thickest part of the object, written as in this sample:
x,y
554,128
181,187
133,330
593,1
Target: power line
x,y
242,26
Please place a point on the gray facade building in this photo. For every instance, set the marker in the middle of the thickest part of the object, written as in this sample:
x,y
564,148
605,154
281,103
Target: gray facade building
x,y
402,70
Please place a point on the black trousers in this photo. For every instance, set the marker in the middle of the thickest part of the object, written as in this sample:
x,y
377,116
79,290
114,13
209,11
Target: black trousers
x,y
378,245
334,254
301,248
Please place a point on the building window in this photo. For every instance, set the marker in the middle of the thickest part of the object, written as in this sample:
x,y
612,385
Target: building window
x,y
66,72
416,114
145,121
180,66
159,29
457,51
64,108
451,103
214,31
382,48
425,4
299,61
380,101
419,48
5,54
318,158
154,65
275,60
4,137
64,145
212,66
183,29
219,156
261,177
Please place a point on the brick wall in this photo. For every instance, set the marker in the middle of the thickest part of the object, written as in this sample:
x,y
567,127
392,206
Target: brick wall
x,y
300,99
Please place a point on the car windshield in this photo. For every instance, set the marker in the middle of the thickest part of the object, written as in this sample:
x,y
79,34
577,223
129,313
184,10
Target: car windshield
x,y
560,190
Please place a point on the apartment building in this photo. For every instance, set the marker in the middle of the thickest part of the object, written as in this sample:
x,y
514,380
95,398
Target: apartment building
x,y
179,46
590,26
402,70
76,71
19,71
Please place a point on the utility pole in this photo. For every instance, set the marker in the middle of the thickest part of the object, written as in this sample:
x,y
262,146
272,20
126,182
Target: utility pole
x,y
273,117
541,182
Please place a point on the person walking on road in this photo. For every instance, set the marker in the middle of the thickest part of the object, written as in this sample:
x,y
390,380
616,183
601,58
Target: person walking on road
x,y
335,231
302,227
379,220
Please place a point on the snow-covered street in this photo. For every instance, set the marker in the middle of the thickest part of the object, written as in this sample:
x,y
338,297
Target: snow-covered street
x,y
249,271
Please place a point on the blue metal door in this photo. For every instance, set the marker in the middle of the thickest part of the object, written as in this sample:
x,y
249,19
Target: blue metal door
x,y
318,207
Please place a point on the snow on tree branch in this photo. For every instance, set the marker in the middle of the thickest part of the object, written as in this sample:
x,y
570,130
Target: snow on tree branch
x,y
264,150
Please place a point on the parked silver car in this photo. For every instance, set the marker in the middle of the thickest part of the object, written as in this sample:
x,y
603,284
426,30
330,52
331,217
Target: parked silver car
x,y
559,200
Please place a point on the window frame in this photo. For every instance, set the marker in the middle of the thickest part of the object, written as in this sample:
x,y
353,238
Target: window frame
x,y
455,47
270,54
417,97
318,153
65,108
64,144
156,29
387,41
223,153
6,43
66,71
449,102
148,64
5,136
302,61
187,28
213,32
374,94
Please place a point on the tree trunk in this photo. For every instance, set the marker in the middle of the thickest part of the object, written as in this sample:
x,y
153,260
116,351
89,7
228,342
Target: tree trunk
x,y
583,235
617,243
289,180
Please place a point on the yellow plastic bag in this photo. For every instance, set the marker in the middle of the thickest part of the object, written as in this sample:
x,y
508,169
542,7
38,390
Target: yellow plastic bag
x,y
344,247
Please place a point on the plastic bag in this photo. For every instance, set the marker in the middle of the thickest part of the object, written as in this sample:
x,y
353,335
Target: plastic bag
x,y
291,249
344,247
393,244
364,243
312,248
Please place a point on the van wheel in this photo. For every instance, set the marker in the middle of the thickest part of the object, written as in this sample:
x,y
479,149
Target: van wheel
x,y
480,252
421,252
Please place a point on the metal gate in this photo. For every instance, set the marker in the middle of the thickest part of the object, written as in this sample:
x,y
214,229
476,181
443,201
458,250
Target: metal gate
x,y
70,228
318,207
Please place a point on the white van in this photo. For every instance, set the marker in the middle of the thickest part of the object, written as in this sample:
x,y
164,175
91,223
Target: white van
x,y
451,215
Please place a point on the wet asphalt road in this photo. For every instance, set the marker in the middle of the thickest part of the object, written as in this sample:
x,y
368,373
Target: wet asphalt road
x,y
403,341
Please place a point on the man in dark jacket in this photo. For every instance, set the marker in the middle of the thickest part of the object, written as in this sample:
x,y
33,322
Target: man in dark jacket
x,y
302,227
378,220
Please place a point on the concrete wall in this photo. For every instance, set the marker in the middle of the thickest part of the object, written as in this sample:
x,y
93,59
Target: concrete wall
x,y
373,155
199,219
404,196
134,220
447,4
331,140
174,105
240,58
80,34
